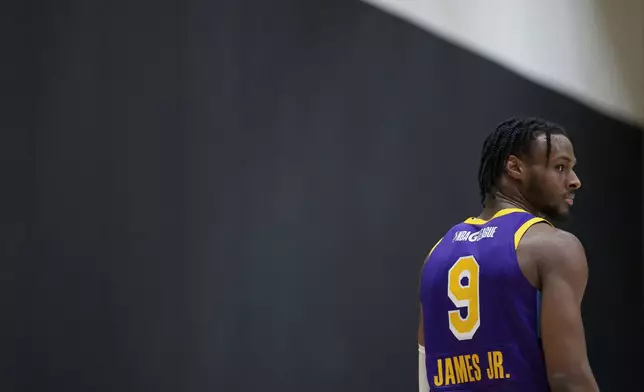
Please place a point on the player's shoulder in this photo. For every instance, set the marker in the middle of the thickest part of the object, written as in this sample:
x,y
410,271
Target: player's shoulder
x,y
549,245
548,236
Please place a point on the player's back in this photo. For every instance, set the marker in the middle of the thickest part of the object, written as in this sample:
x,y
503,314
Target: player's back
x,y
480,313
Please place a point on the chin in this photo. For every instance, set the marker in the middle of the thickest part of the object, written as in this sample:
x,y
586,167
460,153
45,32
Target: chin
x,y
559,214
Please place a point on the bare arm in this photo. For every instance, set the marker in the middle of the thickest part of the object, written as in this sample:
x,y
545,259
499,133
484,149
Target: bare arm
x,y
563,272
421,334
423,383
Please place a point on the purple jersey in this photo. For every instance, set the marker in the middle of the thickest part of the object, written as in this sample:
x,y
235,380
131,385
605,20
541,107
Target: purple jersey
x,y
480,313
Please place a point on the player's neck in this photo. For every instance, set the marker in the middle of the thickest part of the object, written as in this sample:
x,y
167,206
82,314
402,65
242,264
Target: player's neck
x,y
501,202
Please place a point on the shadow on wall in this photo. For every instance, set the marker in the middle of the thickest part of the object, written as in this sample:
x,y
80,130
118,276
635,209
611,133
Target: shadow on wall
x,y
624,29
624,32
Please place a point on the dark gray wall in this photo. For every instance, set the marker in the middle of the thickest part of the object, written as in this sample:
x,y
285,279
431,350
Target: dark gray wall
x,y
239,196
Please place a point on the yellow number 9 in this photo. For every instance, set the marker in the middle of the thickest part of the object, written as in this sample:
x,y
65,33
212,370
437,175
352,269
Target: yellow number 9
x,y
464,296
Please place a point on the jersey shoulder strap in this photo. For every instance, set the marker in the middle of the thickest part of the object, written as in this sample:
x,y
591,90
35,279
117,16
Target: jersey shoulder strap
x,y
525,222
520,232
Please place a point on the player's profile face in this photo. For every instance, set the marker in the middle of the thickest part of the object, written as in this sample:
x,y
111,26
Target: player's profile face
x,y
552,183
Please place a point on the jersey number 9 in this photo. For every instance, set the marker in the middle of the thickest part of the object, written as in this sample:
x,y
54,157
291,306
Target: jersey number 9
x,y
464,295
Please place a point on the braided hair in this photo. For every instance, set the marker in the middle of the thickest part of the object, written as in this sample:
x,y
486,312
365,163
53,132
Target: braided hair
x,y
511,137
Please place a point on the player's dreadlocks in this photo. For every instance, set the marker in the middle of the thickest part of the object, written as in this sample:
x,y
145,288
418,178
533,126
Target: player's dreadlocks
x,y
511,137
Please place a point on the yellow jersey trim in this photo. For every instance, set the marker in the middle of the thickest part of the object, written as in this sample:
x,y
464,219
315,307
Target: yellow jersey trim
x,y
434,247
524,228
505,211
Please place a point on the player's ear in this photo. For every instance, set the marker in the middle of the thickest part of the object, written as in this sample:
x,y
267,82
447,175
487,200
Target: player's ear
x,y
515,167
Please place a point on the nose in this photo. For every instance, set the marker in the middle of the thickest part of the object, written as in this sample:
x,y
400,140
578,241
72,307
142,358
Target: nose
x,y
574,182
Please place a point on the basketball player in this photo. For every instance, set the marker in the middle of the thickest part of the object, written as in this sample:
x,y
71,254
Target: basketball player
x,y
501,293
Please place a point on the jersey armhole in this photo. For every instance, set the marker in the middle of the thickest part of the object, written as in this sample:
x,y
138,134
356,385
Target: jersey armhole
x,y
524,228
429,254
518,235
432,250
422,269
